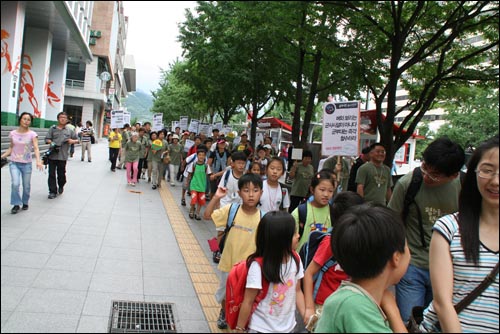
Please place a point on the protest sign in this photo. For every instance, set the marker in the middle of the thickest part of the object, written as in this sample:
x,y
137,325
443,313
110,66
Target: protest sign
x,y
340,128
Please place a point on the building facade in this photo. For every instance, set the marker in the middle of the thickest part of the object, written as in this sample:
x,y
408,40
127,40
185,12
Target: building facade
x,y
63,56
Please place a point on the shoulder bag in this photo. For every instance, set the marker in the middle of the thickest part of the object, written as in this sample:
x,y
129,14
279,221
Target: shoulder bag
x,y
417,313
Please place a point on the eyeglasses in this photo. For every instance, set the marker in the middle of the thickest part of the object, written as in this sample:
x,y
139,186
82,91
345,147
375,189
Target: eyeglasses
x,y
429,175
486,173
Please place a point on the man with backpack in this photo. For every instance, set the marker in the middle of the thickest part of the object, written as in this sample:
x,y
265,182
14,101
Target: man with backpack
x,y
421,197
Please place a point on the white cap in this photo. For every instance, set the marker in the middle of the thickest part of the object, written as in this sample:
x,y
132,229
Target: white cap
x,y
269,147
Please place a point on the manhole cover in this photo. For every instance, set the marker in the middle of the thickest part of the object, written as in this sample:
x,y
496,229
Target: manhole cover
x,y
141,317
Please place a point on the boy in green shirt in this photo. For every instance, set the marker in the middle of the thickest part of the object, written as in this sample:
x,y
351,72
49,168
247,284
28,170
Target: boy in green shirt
x,y
369,244
197,180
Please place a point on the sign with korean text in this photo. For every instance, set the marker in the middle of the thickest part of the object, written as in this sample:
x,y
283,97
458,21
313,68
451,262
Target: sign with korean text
x,y
183,122
157,122
117,119
340,128
193,125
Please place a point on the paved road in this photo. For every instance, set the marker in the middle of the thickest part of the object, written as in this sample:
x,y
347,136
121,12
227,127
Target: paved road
x,y
64,260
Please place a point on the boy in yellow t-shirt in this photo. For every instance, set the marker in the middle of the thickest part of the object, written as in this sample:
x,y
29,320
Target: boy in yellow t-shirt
x,y
240,241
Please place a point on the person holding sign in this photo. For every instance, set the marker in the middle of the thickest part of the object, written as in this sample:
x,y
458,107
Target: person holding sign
x,y
301,174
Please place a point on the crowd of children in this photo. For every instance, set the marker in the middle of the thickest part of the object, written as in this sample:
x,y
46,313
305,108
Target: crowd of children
x,y
361,258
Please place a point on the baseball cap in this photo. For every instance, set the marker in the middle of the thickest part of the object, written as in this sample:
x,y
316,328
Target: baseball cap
x,y
244,134
186,133
220,141
267,146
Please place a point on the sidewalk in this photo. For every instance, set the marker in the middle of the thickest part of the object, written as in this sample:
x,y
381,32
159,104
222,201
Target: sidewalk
x,y
65,259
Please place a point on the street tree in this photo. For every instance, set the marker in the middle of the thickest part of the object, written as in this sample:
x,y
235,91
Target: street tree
x,y
422,47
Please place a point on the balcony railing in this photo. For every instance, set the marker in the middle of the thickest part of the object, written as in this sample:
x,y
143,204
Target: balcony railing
x,y
75,84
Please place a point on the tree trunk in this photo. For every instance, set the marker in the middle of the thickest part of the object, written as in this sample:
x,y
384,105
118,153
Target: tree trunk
x,y
312,96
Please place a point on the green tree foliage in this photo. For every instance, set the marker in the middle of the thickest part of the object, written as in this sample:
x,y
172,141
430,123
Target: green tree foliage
x,y
472,116
175,98
424,46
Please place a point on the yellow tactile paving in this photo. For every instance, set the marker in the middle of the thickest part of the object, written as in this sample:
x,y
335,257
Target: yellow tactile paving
x,y
203,276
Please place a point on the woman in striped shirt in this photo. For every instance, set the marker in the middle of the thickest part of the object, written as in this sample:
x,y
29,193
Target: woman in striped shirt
x,y
464,250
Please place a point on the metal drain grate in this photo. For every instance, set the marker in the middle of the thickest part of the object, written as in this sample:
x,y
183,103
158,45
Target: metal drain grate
x,y
141,317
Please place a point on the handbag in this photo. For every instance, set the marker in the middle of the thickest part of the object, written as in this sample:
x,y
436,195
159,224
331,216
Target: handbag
x,y
417,312
166,159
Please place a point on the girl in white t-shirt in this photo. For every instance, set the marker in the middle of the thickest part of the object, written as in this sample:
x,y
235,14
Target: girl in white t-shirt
x,y
274,196
276,240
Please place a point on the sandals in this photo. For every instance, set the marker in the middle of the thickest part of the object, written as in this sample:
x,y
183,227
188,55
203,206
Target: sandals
x,y
216,256
191,213
197,217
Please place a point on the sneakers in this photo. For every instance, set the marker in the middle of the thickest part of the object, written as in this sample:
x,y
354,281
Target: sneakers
x,y
15,209
132,184
197,217
25,206
52,195
172,184
183,202
191,212
61,190
221,321
153,187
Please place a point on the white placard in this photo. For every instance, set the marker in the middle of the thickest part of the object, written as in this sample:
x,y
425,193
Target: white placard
x,y
217,125
117,119
341,122
126,117
157,122
193,125
188,144
174,125
297,153
226,129
204,128
183,123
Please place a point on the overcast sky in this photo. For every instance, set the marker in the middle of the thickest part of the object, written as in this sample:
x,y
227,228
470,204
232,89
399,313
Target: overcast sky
x,y
152,37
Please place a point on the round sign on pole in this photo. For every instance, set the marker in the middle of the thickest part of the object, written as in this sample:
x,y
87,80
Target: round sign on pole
x,y
105,76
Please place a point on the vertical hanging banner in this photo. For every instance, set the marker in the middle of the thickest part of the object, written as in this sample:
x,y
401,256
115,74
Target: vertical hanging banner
x,y
174,125
341,128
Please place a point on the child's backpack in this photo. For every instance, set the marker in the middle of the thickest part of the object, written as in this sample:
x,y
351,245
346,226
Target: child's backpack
x,y
307,252
233,210
235,290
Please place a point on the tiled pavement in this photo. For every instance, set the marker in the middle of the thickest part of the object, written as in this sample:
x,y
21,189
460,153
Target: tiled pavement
x,y
64,260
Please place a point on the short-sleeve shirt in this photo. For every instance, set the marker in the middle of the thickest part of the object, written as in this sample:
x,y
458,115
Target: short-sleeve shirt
x,y
22,145
315,216
60,138
333,277
434,202
175,151
302,180
276,312
482,314
232,195
376,180
132,151
240,241
351,309
112,142
199,178
272,198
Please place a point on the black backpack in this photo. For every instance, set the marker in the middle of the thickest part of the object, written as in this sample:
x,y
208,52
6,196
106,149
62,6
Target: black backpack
x,y
307,252
303,216
416,182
